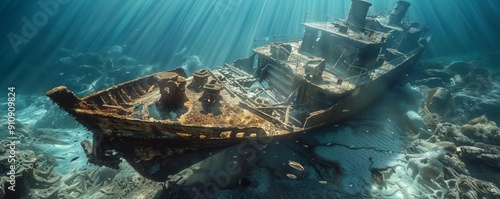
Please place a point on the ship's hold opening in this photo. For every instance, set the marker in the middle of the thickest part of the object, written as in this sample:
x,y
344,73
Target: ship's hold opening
x,y
153,112
137,114
248,64
122,100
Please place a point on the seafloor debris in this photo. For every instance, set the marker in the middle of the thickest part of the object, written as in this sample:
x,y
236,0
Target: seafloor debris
x,y
291,176
435,174
380,175
476,140
296,165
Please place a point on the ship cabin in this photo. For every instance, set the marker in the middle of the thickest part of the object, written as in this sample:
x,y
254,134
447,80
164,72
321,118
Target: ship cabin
x,y
333,58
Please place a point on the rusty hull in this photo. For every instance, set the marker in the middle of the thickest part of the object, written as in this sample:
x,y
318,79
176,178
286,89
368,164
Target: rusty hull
x,y
120,119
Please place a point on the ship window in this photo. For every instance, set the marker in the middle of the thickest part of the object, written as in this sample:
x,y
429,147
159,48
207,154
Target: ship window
x,y
240,135
225,134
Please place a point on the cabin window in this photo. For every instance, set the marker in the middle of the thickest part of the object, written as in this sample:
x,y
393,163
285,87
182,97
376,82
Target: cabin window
x,y
225,134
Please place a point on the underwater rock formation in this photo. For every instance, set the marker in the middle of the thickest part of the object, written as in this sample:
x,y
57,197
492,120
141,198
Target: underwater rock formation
x,y
476,140
474,143
470,90
442,175
459,112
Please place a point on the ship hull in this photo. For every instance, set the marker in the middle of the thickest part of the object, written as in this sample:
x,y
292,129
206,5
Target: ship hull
x,y
190,151
165,122
361,97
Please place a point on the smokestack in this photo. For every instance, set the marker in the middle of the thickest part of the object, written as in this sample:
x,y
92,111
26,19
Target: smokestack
x,y
357,13
398,12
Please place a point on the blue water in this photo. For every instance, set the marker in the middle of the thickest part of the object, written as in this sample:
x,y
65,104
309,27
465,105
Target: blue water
x,y
47,43
214,31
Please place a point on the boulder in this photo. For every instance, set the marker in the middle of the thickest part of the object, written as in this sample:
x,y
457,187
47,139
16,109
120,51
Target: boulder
x,y
438,100
485,156
458,81
415,121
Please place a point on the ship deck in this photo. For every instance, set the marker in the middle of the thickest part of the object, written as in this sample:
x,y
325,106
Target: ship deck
x,y
297,61
227,113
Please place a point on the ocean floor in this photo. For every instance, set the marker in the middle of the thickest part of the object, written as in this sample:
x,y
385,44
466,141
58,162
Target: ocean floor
x,y
433,136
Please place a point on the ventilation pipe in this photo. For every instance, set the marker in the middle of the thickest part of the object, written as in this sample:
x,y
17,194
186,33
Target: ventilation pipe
x,y
357,13
398,12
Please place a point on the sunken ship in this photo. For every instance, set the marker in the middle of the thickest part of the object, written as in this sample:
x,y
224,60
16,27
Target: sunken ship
x,y
166,121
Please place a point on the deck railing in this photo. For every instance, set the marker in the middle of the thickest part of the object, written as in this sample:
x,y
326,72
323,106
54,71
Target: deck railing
x,y
375,73
314,17
362,75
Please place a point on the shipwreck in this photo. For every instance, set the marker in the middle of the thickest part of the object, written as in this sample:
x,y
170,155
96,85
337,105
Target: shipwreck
x,y
162,122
